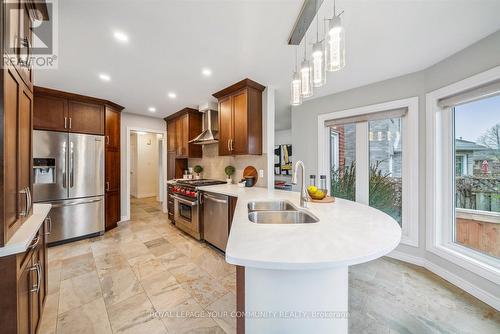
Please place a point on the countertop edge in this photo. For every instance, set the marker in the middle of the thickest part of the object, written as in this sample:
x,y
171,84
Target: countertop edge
x,y
21,240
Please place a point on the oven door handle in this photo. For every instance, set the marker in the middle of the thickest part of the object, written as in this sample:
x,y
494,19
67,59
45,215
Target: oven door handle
x,y
185,201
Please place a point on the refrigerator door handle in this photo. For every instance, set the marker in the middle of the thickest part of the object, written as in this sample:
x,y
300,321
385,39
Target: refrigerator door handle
x,y
72,166
64,167
60,205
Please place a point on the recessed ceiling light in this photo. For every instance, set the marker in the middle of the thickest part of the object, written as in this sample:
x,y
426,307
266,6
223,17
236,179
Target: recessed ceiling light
x,y
206,72
172,95
120,36
152,109
104,77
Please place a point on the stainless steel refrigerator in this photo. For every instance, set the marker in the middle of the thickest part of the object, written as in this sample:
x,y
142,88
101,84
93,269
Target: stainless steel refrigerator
x,y
68,172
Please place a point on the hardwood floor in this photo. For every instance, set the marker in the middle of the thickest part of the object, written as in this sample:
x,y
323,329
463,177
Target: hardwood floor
x,y
146,276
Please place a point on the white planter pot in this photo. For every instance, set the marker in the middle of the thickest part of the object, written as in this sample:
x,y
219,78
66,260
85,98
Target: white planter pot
x,y
229,180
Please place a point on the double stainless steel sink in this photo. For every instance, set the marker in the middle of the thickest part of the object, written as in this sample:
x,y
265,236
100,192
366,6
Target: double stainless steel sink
x,y
278,212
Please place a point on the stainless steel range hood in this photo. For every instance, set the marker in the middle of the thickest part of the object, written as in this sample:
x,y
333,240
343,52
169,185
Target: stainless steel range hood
x,y
210,133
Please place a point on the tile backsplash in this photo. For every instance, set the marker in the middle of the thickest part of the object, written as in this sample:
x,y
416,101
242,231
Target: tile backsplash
x,y
213,164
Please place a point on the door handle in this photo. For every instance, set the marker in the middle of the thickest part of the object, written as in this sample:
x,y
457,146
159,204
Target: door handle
x,y
65,181
61,205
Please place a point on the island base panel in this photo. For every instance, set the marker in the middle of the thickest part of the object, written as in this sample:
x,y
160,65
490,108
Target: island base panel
x,y
316,300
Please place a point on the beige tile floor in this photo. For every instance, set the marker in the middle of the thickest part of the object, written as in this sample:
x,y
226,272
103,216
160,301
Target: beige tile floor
x,y
116,283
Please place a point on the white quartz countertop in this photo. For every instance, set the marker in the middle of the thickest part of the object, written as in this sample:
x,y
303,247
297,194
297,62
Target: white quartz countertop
x,y
348,233
24,235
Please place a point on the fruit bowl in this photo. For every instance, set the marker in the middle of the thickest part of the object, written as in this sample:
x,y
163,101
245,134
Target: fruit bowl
x,y
316,193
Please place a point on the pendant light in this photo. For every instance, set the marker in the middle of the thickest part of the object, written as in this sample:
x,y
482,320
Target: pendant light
x,y
305,74
318,60
295,87
335,43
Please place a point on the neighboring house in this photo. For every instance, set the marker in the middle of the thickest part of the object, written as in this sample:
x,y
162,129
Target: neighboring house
x,y
470,157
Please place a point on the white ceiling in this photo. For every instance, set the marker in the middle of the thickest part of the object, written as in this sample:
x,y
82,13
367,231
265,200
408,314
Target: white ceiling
x,y
171,41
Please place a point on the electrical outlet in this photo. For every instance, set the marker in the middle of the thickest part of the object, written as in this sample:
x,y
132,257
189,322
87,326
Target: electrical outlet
x,y
261,173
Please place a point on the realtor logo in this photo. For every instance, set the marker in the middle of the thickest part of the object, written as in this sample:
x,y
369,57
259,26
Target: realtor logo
x,y
31,33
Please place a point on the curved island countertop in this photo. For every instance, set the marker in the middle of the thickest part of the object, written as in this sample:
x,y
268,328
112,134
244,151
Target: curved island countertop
x,y
348,233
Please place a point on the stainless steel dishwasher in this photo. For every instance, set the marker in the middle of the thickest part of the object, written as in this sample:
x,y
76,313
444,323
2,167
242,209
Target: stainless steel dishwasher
x,y
216,219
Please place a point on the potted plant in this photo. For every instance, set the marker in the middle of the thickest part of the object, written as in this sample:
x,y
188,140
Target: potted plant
x,y
197,169
229,171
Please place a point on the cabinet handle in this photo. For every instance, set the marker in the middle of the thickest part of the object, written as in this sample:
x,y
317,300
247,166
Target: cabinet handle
x,y
107,140
24,42
49,225
107,186
25,192
30,200
229,145
231,141
38,269
65,122
70,122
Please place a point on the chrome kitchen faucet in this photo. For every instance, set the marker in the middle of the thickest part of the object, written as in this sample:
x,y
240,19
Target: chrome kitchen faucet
x,y
304,195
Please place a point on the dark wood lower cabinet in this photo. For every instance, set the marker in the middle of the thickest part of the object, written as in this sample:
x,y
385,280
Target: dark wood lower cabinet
x,y
24,287
112,209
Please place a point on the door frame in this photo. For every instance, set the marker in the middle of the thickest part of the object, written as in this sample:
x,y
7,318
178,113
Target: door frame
x,y
162,175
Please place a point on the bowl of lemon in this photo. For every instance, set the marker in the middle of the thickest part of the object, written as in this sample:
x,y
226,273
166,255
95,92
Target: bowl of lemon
x,y
316,193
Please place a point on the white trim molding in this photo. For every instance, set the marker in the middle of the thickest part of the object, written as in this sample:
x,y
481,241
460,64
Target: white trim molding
x,y
440,185
410,157
486,297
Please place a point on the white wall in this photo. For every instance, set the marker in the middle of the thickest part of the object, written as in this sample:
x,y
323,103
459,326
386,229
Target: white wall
x,y
133,164
283,137
137,122
477,58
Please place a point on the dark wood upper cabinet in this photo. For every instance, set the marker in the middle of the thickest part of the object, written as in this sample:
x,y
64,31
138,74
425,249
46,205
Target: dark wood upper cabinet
x,y
240,118
85,117
62,111
182,127
112,128
225,125
50,112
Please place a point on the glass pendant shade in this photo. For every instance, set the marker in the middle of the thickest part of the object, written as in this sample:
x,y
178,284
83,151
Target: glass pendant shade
x,y
295,93
335,45
306,79
318,65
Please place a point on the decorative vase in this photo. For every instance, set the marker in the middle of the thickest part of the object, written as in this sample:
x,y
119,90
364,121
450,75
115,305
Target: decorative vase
x,y
197,176
229,180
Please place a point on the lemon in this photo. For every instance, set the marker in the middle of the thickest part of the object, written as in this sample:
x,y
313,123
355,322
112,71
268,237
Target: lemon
x,y
312,189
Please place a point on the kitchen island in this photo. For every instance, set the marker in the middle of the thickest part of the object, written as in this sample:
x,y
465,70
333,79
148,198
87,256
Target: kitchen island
x,y
300,271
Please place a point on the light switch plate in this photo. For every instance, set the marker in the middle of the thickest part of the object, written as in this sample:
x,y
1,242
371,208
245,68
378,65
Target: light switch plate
x,y
261,173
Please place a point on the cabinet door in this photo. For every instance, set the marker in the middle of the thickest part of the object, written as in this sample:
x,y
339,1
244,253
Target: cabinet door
x,y
178,137
50,113
112,128
171,165
184,146
85,117
25,140
24,286
112,170
112,209
225,126
12,198
171,142
35,276
26,44
239,143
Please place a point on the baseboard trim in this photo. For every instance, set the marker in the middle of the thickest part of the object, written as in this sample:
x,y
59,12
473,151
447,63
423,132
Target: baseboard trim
x,y
459,282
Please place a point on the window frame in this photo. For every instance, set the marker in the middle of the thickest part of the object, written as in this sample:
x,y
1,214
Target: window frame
x,y
440,183
410,169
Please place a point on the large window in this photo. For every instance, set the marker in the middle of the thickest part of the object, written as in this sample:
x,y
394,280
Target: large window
x,y
462,155
477,175
373,159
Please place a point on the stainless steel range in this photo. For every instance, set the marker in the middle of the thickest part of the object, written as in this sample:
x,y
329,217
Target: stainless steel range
x,y
187,205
